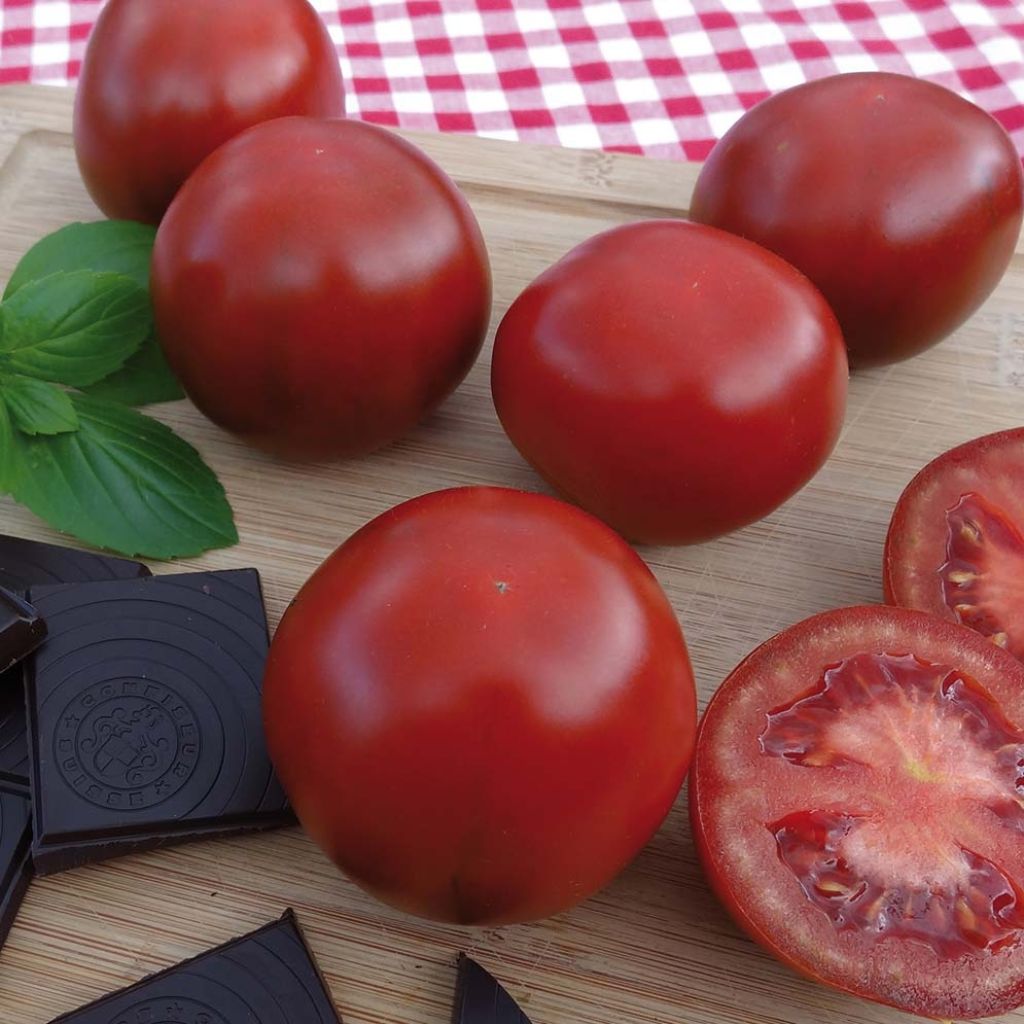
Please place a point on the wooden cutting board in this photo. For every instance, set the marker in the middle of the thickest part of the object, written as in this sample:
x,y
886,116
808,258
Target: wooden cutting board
x,y
653,948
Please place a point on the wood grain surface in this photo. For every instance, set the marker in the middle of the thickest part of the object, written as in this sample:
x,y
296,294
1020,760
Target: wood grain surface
x,y
653,947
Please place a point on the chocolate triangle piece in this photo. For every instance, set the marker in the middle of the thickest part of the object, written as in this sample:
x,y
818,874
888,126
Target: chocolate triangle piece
x,y
15,855
480,999
266,977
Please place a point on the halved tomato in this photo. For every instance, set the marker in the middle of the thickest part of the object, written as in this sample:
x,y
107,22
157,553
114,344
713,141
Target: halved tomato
x,y
858,803
956,541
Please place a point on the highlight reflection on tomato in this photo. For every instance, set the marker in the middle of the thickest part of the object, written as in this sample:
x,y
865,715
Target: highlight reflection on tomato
x,y
481,705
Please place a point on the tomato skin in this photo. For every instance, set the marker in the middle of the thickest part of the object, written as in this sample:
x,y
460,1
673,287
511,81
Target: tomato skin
x,y
918,545
674,380
481,705
320,286
164,84
740,861
899,199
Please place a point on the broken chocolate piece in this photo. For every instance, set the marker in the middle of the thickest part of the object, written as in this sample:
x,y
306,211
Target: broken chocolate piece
x,y
23,564
145,725
15,855
480,999
266,977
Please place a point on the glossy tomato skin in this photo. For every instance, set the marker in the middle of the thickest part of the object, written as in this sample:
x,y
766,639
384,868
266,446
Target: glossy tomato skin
x,y
481,705
734,794
899,199
955,545
164,83
320,286
674,380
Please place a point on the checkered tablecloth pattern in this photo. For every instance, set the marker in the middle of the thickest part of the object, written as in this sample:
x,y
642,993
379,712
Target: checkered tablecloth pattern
x,y
661,77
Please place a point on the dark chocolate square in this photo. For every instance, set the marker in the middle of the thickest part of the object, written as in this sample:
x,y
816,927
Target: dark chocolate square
x,y
480,999
15,855
23,564
266,977
145,725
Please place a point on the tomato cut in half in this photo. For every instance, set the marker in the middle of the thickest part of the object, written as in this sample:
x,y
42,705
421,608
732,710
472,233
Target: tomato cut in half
x,y
857,798
956,541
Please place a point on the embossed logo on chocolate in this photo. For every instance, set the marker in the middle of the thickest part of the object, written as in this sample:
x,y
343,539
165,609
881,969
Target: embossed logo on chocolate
x,y
127,744
169,1011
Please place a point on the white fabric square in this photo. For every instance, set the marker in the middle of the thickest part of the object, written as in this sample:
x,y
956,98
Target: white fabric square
x,y
579,136
535,20
972,14
50,53
655,131
692,44
420,102
765,33
856,62
563,94
782,76
667,10
477,62
744,6
394,30
901,26
486,101
929,63
624,49
637,90
1001,50
402,67
722,120
603,14
505,134
556,56
711,83
832,31
51,15
463,23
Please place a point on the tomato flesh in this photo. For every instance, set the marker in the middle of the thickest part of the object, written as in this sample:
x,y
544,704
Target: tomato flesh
x,y
858,801
956,542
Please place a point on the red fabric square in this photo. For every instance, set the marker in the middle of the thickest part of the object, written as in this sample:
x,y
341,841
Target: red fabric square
x,y
736,60
534,118
423,8
355,15
684,106
445,83
952,38
608,113
433,46
808,49
854,11
597,71
980,78
578,34
505,41
519,78
716,19
456,122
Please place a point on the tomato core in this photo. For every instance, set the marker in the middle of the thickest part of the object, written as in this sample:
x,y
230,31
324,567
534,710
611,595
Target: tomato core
x,y
983,575
939,750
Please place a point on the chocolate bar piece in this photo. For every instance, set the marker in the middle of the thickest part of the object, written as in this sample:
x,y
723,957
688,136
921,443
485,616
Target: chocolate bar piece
x,y
145,726
15,855
21,629
266,977
23,564
479,999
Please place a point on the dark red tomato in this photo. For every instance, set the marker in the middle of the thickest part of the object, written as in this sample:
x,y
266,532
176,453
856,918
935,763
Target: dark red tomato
x,y
165,82
319,286
858,805
956,541
672,379
481,705
899,199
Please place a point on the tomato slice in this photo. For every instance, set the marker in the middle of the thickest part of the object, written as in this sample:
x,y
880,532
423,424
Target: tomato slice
x,y
956,541
857,798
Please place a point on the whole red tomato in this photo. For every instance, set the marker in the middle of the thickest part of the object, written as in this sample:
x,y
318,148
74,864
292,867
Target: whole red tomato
x,y
481,705
856,803
319,286
165,82
899,199
672,379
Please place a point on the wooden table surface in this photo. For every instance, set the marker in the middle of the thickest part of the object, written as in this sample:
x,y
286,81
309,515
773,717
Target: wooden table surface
x,y
654,946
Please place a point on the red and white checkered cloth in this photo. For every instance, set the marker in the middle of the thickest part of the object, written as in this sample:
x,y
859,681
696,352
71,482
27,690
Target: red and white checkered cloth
x,y
662,77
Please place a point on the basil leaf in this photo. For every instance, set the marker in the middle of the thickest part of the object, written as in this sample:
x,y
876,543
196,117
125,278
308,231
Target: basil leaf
x,y
74,327
119,246
37,407
9,460
144,379
125,482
